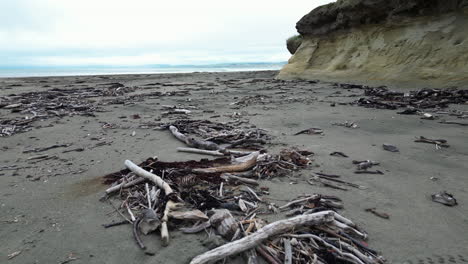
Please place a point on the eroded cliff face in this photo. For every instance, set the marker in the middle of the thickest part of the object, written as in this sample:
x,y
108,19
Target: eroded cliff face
x,y
415,43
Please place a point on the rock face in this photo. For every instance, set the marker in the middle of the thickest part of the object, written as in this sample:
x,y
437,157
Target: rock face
x,y
393,42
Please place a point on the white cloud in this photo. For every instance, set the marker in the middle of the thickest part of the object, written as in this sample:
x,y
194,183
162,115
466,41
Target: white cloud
x,y
145,30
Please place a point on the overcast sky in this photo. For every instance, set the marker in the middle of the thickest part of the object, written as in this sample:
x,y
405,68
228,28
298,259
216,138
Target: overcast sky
x,y
138,32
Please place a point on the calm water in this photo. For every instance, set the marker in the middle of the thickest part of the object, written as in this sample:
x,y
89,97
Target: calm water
x,y
67,71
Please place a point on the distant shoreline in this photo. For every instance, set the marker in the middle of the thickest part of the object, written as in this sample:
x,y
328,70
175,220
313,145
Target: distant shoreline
x,y
33,71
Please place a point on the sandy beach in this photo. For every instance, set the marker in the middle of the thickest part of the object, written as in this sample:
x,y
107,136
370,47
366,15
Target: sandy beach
x,y
50,206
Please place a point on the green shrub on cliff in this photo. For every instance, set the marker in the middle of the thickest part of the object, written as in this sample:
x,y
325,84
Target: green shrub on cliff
x,y
293,43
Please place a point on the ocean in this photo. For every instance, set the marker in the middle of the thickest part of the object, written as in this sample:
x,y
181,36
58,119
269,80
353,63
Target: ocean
x,y
35,71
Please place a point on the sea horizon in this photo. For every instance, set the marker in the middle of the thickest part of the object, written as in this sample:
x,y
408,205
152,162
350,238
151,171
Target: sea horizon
x,y
83,70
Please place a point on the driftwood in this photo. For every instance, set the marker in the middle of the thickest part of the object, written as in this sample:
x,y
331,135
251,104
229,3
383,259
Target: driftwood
x,y
231,168
192,142
188,215
377,213
164,231
437,142
125,185
273,229
201,151
234,178
150,176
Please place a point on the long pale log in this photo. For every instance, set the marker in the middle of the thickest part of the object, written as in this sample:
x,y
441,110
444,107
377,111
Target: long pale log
x,y
253,240
150,176
201,151
231,168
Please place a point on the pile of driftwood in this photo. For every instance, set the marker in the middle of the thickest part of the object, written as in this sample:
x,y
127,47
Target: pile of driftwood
x,y
383,98
222,196
30,107
56,102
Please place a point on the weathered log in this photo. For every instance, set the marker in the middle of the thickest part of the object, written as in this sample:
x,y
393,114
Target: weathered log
x,y
264,233
231,168
201,151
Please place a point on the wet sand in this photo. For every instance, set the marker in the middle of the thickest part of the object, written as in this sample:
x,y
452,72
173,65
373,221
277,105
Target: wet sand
x,y
50,209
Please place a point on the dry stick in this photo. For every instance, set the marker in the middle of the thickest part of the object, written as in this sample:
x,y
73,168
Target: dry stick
x,y
135,234
299,201
287,252
124,185
148,195
161,184
262,234
234,178
231,168
343,182
266,256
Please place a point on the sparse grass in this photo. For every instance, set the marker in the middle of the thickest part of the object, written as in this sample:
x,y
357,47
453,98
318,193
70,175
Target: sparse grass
x,y
293,43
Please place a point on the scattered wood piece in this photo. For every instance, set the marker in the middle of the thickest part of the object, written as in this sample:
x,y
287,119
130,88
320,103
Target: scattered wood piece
x,y
14,254
343,182
71,150
368,172
454,123
38,157
115,224
47,148
310,131
437,142
377,213
339,154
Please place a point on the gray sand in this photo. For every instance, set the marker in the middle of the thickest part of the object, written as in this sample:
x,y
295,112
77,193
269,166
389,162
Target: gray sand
x,y
52,210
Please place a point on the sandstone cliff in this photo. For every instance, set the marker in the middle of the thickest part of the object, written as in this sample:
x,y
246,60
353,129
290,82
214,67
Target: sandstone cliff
x,y
403,43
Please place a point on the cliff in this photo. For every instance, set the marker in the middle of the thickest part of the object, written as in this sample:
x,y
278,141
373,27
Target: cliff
x,y
401,43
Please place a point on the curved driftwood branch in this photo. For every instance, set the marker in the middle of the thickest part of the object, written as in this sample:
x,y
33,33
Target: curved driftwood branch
x,y
150,176
232,168
262,234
